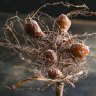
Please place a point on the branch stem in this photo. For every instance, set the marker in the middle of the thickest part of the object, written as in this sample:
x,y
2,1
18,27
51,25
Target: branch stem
x,y
59,88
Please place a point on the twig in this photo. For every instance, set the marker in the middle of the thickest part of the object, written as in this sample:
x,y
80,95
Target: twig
x,y
59,89
18,84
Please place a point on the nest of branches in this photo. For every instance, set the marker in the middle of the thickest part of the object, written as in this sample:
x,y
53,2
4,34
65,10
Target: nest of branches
x,y
55,55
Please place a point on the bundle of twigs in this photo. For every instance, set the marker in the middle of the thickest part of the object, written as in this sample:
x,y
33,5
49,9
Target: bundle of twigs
x,y
55,55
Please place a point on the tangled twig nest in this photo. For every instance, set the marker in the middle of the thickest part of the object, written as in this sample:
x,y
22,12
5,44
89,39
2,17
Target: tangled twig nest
x,y
55,55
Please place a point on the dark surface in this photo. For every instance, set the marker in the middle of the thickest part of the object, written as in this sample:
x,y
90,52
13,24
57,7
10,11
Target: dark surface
x,y
9,74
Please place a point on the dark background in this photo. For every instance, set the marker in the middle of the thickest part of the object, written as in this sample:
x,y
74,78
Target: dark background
x,y
26,6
